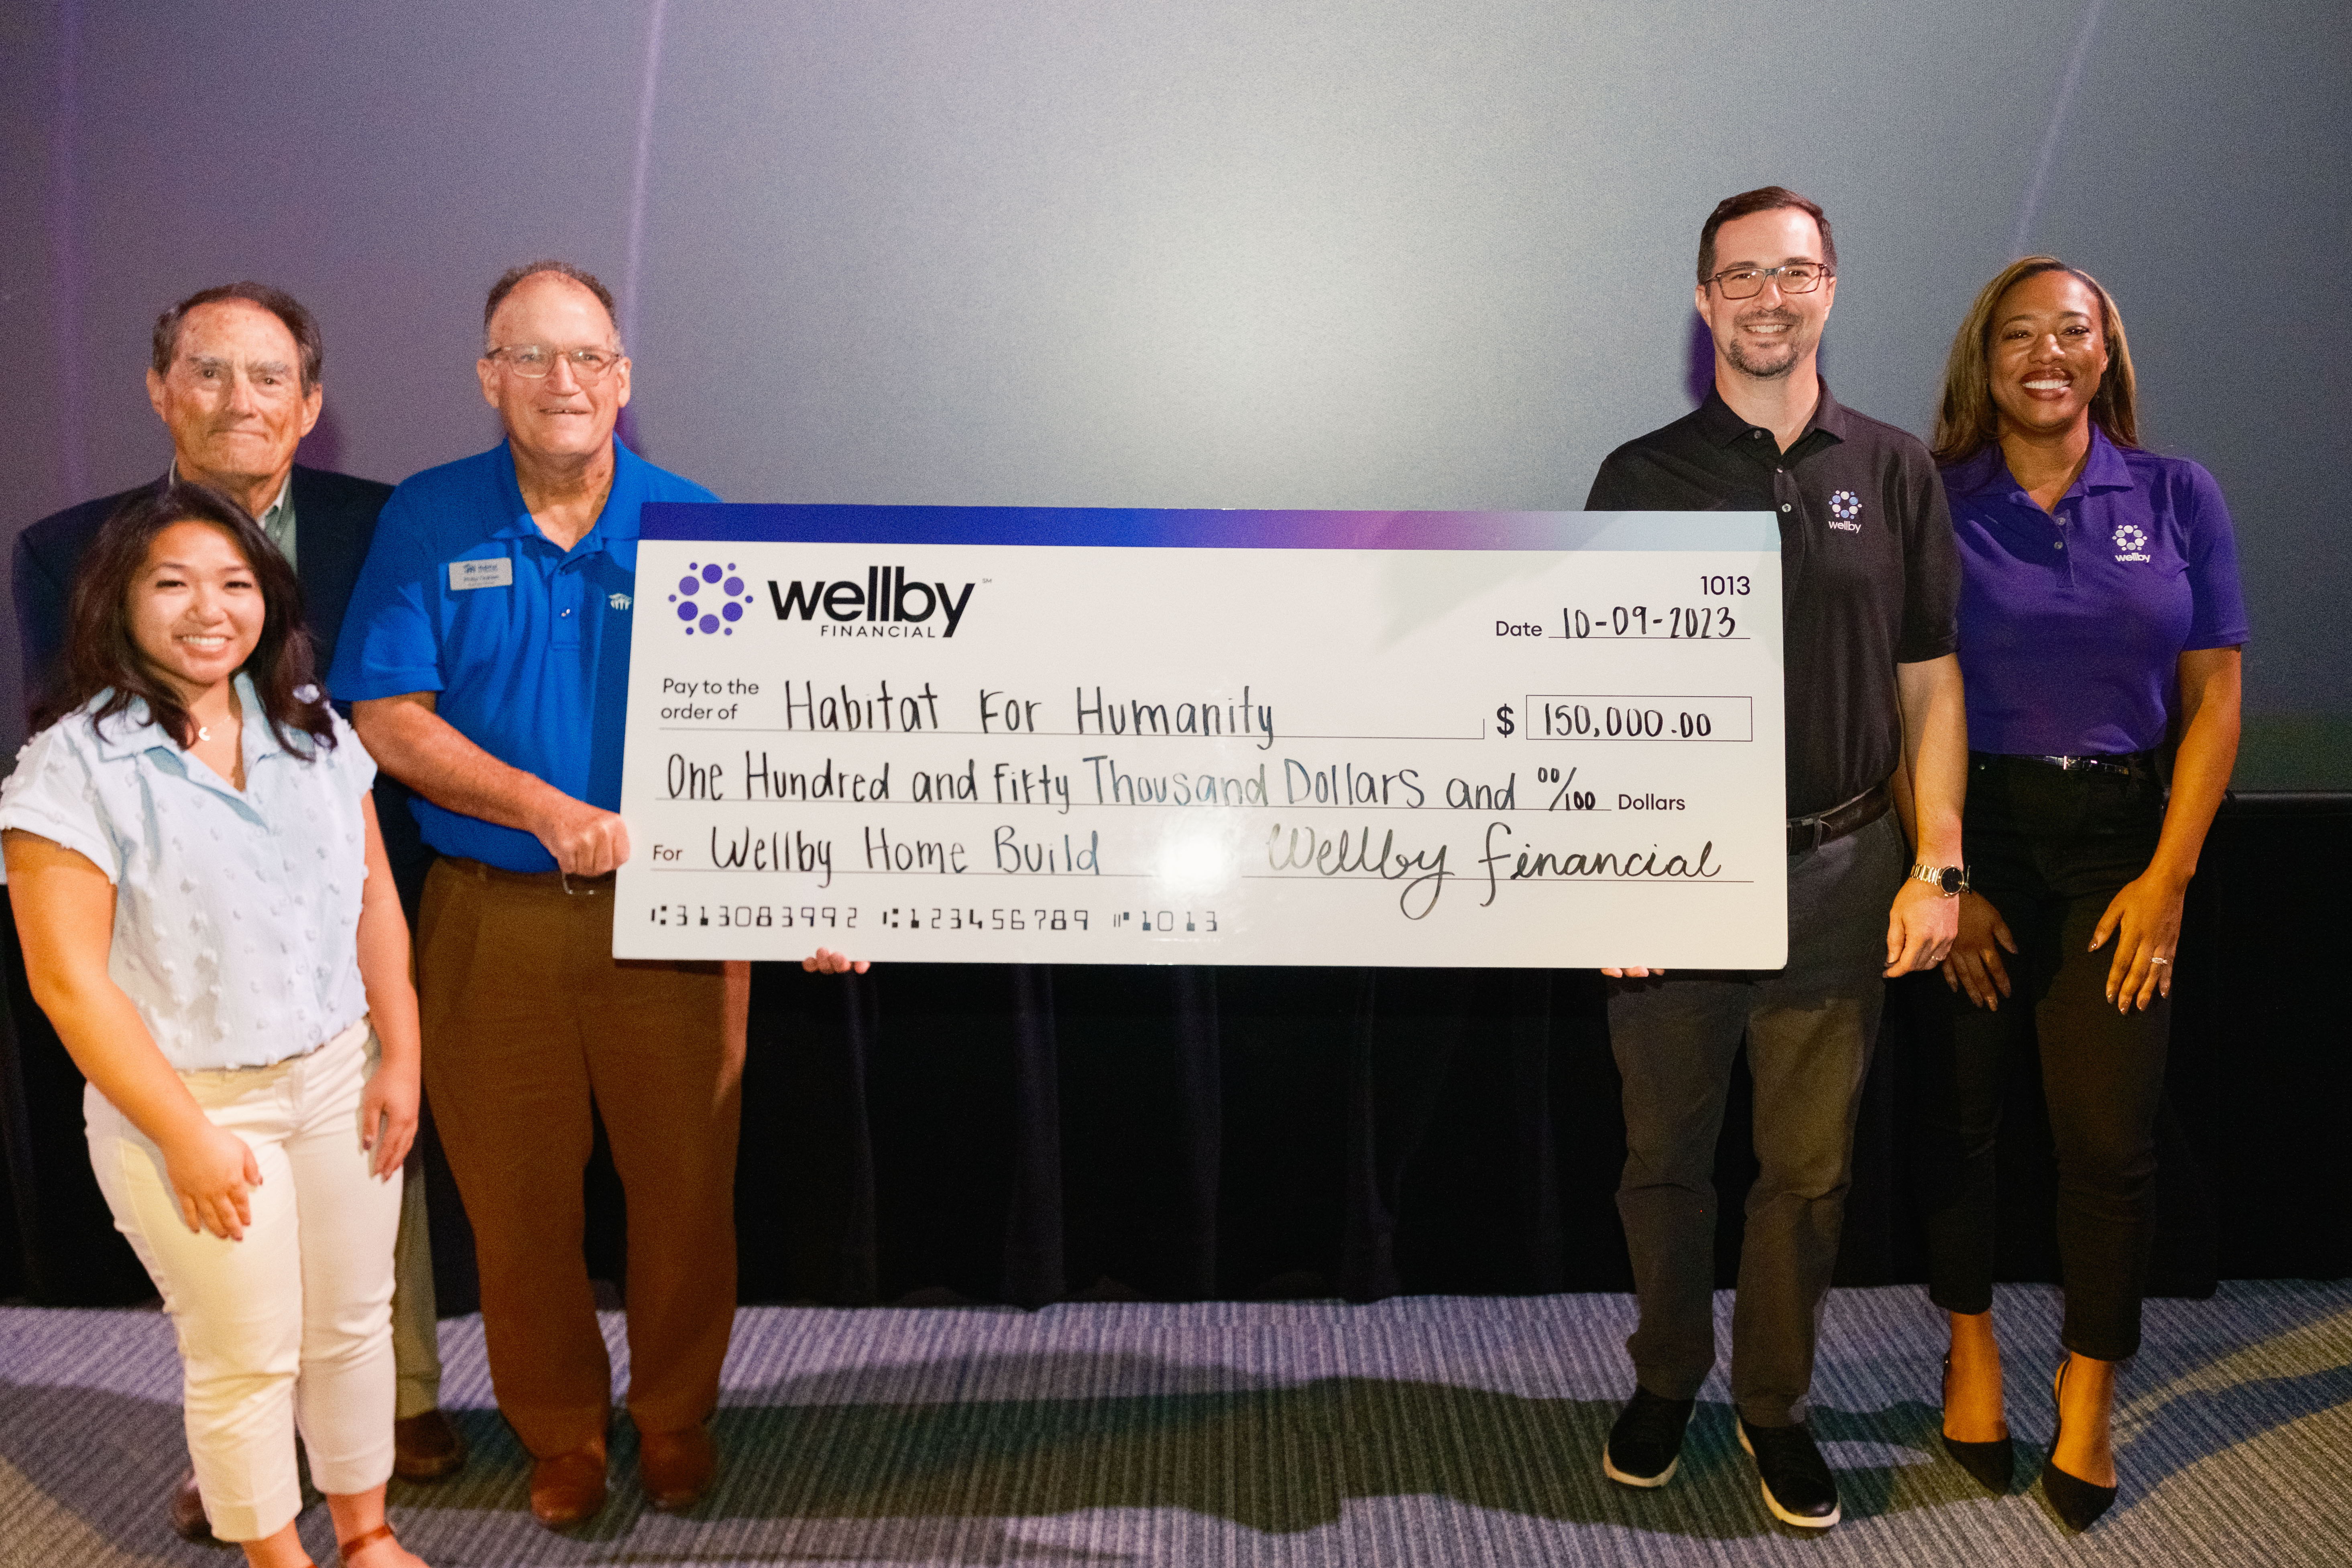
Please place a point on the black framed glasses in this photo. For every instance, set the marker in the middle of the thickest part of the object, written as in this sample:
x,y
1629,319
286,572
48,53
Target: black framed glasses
x,y
1746,282
532,361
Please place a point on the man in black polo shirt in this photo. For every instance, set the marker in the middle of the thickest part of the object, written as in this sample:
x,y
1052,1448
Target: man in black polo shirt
x,y
1870,583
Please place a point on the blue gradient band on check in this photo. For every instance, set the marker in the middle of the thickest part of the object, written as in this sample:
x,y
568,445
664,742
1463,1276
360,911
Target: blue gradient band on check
x,y
1204,530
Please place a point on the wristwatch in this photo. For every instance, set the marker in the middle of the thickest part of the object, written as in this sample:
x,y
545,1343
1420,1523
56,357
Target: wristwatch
x,y
1949,880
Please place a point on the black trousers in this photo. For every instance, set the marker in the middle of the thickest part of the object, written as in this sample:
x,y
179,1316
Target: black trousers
x,y
2050,848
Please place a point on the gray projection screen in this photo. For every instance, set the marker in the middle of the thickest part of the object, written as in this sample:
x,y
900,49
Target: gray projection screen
x,y
1309,256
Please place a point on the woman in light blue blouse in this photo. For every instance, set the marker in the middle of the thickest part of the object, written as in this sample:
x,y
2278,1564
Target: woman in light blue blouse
x,y
209,920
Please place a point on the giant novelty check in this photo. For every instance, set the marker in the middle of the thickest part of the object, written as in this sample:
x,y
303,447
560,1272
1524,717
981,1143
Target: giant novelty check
x,y
1005,735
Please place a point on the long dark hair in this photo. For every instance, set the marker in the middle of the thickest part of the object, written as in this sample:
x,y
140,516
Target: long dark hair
x,y
99,656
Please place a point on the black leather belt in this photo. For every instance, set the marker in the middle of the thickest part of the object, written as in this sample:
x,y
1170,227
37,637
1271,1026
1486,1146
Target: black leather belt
x,y
2139,764
1809,833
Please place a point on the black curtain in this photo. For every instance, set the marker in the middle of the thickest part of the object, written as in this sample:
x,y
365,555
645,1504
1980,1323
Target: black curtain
x,y
1030,1134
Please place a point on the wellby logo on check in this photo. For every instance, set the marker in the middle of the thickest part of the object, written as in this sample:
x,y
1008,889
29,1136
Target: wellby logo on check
x,y
709,599
889,603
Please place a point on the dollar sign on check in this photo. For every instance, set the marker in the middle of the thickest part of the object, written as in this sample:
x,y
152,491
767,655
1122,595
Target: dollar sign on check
x,y
1503,719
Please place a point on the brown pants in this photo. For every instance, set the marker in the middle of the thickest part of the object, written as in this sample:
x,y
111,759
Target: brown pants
x,y
528,1019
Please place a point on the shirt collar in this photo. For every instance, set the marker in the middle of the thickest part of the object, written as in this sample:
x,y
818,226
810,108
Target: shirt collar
x,y
135,730
624,503
1987,470
2105,468
1987,473
1720,425
269,515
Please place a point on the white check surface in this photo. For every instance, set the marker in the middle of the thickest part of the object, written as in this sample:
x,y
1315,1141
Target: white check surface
x,y
1489,758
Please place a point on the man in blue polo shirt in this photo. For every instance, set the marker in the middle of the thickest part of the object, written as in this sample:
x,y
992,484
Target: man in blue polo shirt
x,y
486,648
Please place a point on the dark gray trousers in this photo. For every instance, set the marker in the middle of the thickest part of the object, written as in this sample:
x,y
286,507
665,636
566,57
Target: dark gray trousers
x,y
1809,1029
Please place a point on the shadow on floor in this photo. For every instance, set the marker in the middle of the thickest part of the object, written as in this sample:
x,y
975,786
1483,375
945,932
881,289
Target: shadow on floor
x,y
870,1461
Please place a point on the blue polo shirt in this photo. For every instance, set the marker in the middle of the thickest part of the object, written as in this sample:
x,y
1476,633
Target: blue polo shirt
x,y
526,645
2072,622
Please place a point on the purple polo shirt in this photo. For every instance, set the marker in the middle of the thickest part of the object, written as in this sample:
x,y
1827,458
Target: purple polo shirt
x,y
2072,626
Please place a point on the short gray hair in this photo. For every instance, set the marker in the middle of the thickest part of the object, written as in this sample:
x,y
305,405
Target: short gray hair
x,y
165,345
513,277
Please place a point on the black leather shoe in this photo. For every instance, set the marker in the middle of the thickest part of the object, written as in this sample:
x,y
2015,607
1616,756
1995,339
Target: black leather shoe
x,y
1798,1486
1646,1444
1993,1464
188,1521
2078,1502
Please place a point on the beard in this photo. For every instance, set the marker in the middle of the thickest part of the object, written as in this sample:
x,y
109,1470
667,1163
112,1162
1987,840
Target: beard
x,y
1764,363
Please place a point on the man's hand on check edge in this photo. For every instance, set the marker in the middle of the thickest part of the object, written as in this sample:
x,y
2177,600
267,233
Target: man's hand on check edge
x,y
1633,974
1919,928
411,741
828,961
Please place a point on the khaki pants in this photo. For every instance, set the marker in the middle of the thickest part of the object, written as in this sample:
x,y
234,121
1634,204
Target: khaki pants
x,y
416,1320
528,1022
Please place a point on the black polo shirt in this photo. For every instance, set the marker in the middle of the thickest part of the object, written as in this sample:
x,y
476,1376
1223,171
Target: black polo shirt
x,y
1869,577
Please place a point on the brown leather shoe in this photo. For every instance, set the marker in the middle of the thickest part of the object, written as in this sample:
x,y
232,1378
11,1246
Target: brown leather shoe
x,y
676,1467
567,1489
188,1521
427,1447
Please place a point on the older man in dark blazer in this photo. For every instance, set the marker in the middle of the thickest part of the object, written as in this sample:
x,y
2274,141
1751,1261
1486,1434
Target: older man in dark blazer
x,y
234,378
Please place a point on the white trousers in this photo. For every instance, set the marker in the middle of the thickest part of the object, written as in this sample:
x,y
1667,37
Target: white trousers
x,y
291,1326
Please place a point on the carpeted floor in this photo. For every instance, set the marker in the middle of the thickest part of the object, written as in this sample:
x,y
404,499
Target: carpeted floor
x,y
1417,1431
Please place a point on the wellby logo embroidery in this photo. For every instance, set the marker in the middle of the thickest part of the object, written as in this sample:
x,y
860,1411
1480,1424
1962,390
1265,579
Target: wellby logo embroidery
x,y
2132,541
619,601
1844,507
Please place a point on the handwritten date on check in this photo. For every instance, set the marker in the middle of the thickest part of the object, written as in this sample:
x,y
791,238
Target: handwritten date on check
x,y
1058,736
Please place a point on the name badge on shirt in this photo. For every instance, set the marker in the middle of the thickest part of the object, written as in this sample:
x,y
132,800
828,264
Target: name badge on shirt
x,y
497,573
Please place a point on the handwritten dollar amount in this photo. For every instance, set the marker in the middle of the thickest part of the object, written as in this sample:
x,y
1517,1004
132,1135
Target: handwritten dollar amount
x,y
1579,718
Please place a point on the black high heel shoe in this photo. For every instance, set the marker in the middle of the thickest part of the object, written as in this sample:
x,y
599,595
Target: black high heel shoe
x,y
2078,1502
1993,1464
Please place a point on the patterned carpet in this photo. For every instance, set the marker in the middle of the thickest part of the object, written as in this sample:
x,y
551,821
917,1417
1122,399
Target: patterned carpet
x,y
1417,1431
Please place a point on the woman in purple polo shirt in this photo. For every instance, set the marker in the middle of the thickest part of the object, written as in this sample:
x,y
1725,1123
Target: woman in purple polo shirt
x,y
2100,621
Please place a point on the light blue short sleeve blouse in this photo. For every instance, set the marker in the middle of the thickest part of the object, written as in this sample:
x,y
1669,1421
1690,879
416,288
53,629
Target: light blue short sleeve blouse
x,y
236,914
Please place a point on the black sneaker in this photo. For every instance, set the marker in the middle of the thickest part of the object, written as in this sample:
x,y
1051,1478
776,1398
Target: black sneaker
x,y
1798,1486
1646,1444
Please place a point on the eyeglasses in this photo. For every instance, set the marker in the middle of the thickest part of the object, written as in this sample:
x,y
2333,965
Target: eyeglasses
x,y
532,361
1745,282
